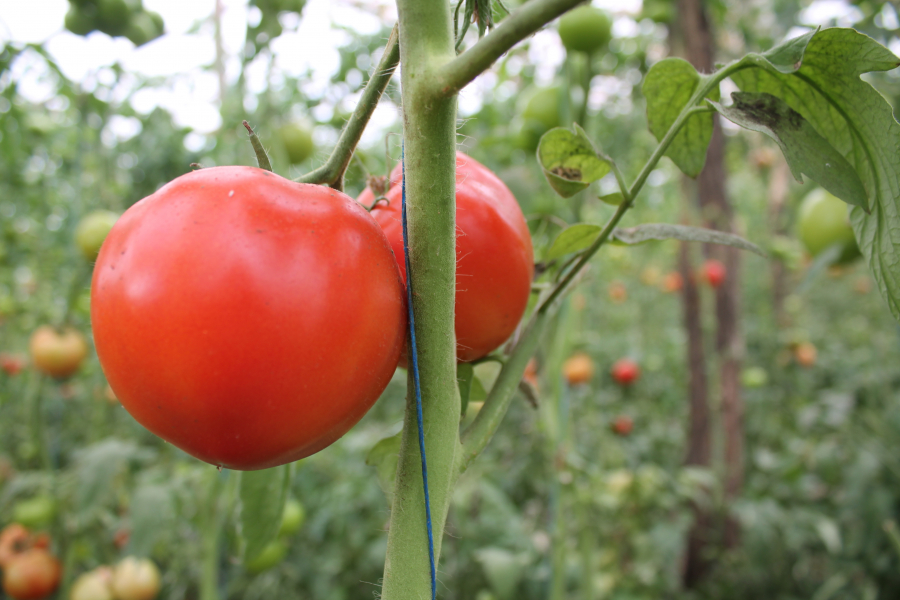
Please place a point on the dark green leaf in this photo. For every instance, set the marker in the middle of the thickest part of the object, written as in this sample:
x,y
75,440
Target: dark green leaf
x,y
827,91
573,239
667,231
384,456
570,161
668,87
804,149
263,494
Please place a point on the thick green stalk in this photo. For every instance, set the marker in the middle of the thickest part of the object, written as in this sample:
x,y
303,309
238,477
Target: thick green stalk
x,y
429,132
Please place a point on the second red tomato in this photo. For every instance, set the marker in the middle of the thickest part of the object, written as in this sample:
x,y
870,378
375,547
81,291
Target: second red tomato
x,y
495,259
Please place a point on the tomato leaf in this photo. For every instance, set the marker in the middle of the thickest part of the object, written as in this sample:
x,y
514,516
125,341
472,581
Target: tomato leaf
x,y
668,231
573,239
804,149
263,494
614,199
824,86
668,87
95,468
569,160
384,456
151,511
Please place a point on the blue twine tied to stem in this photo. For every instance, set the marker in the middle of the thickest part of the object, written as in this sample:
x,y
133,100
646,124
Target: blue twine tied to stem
x,y
414,361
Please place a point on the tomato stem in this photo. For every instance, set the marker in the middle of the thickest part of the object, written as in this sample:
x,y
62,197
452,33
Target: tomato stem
x,y
261,157
332,172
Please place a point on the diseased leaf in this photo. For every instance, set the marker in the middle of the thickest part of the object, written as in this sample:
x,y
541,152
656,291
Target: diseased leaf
x,y
569,160
804,149
668,87
668,231
826,89
384,456
573,239
263,494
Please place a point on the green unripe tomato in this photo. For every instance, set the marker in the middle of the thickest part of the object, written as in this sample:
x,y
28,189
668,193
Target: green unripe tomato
x,y
34,513
542,107
823,222
142,29
92,230
292,519
93,585
754,377
113,16
271,555
79,22
585,29
298,142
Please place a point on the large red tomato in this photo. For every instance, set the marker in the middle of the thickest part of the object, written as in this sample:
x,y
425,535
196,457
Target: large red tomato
x,y
495,260
247,319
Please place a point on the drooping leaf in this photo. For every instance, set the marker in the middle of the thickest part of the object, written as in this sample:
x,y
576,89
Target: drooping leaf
x,y
668,231
668,87
263,494
804,149
151,510
384,456
569,160
573,239
824,86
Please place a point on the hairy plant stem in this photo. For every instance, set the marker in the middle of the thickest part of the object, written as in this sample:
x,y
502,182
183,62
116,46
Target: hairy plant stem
x,y
429,135
332,172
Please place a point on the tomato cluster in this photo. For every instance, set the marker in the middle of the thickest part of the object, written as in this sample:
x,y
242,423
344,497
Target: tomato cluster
x,y
30,571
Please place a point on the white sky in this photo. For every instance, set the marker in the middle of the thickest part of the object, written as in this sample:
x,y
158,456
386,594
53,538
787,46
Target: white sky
x,y
189,90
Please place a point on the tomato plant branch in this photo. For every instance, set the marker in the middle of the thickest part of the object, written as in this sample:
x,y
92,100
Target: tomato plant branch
x,y
429,130
482,429
516,27
332,172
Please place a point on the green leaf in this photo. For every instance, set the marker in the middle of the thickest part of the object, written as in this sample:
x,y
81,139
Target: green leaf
x,y
787,56
384,456
95,468
573,239
614,199
804,149
570,161
827,91
263,494
668,231
151,511
668,88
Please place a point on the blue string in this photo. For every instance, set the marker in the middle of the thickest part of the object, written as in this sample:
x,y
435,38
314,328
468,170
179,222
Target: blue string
x,y
414,360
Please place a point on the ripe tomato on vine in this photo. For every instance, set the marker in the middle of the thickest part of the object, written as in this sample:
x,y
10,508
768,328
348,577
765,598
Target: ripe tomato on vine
x,y
247,319
495,259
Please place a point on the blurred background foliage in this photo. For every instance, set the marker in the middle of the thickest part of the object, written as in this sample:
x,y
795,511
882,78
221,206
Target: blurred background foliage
x,y
560,505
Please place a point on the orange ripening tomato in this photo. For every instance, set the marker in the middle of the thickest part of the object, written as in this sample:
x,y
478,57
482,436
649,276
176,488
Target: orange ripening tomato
x,y
31,575
578,369
672,282
495,259
806,354
247,319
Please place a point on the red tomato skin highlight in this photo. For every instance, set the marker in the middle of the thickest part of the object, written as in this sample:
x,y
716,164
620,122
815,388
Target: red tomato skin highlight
x,y
247,319
495,258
